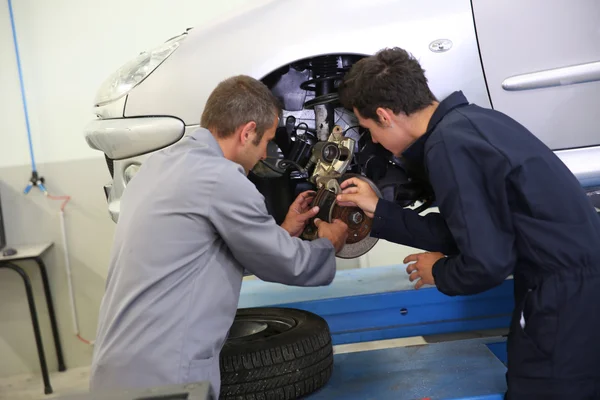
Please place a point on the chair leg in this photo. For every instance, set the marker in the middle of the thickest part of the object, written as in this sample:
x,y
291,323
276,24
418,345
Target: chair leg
x,y
51,313
35,323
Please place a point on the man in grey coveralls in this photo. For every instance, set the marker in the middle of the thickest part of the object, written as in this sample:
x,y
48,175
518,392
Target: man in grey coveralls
x,y
190,223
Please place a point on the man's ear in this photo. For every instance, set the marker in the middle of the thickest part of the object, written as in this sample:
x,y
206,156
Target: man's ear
x,y
247,132
385,117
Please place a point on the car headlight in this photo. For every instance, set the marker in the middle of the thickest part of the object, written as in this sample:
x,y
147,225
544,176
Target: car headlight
x,y
123,80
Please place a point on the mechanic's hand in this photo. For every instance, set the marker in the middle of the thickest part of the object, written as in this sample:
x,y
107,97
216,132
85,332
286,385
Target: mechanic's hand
x,y
336,232
358,193
299,213
422,268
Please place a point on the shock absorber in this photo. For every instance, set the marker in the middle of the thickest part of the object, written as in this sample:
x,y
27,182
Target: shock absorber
x,y
324,74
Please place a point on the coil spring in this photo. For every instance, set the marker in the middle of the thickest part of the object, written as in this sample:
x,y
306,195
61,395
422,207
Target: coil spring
x,y
325,73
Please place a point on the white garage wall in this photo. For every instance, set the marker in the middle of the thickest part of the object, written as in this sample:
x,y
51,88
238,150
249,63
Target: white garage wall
x,y
68,47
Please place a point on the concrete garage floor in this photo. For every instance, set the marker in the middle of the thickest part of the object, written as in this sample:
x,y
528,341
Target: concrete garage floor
x,y
29,387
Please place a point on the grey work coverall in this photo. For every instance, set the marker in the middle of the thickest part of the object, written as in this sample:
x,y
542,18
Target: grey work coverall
x,y
190,222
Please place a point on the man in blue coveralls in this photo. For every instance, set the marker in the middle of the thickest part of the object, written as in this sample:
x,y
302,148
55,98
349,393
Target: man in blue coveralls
x,y
507,204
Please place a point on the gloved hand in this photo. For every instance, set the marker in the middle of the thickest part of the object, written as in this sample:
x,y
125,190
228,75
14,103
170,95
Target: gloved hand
x,y
299,213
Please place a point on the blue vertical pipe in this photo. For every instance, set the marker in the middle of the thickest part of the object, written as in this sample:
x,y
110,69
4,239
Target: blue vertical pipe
x,y
14,32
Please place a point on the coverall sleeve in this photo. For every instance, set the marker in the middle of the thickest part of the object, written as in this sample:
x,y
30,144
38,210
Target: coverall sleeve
x,y
239,214
401,225
470,184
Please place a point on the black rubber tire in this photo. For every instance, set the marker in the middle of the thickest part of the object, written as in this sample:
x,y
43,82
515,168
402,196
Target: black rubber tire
x,y
275,365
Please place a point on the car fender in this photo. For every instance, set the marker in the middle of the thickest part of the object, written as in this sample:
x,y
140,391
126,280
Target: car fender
x,y
262,40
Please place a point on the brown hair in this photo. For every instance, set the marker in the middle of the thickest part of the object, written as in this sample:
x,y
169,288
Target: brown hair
x,y
237,101
392,79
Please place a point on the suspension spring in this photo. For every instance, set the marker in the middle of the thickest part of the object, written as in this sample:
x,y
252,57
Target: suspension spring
x,y
325,72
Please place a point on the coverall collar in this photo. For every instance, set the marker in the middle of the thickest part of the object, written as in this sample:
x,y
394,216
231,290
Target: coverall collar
x,y
204,136
416,152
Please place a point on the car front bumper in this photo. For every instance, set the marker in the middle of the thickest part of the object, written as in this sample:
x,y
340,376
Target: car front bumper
x,y
122,138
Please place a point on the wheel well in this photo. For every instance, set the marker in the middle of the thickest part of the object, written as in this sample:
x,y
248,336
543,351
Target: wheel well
x,y
308,92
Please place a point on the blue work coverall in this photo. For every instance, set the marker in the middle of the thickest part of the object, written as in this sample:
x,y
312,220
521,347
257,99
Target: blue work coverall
x,y
190,223
508,205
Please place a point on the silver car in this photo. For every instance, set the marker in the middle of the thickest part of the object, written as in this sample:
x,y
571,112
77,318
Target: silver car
x,y
536,63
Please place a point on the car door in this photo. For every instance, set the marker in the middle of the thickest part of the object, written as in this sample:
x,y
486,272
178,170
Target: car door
x,y
542,65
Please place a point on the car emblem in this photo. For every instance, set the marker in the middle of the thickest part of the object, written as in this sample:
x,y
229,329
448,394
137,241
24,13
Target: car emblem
x,y
440,45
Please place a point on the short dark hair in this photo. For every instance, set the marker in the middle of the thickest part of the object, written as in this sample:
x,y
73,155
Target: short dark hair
x,y
392,78
236,101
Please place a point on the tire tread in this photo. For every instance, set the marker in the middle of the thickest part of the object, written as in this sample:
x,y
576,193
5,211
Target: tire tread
x,y
281,372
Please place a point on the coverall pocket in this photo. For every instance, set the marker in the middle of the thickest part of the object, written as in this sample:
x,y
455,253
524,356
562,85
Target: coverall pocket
x,y
531,347
540,321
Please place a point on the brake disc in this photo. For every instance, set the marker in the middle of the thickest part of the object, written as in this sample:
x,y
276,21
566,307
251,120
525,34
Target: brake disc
x,y
359,240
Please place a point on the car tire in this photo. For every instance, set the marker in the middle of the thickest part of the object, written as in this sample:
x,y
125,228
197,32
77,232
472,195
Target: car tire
x,y
275,353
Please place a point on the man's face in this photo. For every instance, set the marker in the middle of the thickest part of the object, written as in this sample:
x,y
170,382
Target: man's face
x,y
392,137
253,152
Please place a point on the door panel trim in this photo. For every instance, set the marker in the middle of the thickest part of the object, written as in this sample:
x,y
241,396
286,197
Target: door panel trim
x,y
580,73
